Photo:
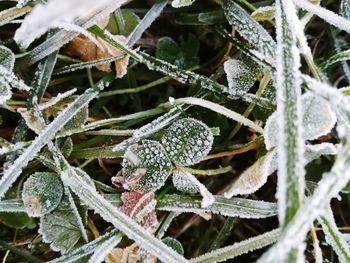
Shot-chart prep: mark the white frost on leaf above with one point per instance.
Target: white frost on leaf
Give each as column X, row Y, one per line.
column 102, row 250
column 45, row 16
column 254, row 177
column 188, row 183
column 187, row 141
column 181, row 3
column 318, row 120
column 240, row 75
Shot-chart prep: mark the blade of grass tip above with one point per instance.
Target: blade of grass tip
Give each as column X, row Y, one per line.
column 239, row 248
column 23, row 254
column 334, row 237
column 13, row 172
column 328, row 187
column 327, row 15
column 102, row 251
column 224, row 233
column 121, row 221
column 221, row 110
column 290, row 147
column 84, row 250
column 145, row 23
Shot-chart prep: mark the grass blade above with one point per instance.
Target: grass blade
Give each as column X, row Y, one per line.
column 145, row 23
column 234, row 207
column 14, row 171
column 240, row 248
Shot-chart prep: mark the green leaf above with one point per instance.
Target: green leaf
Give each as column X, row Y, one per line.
column 60, row 228
column 174, row 244
column 7, row 58
column 146, row 166
column 241, row 74
column 345, row 8
column 183, row 56
column 251, row 30
column 78, row 119
column 42, row 193
column 17, row 220
column 187, row 141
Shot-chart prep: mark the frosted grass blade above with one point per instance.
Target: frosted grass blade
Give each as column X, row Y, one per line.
column 145, row 23
column 85, row 250
column 12, row 205
column 334, row 237
column 290, row 146
column 234, row 207
column 13, row 172
column 102, row 250
column 239, row 248
column 327, row 15
column 328, row 188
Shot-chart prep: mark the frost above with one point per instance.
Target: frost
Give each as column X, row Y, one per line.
column 327, row 15
column 42, row 193
column 45, row 16
column 251, row 30
column 187, row 141
column 240, row 75
column 60, row 228
column 264, row 13
column 84, row 250
column 12, row 172
column 181, row 3
column 334, row 237
column 12, row 206
column 254, row 177
column 221, row 110
column 318, row 120
column 149, row 129
column 145, row 166
column 5, row 92
column 313, row 207
column 7, row 58
column 188, row 183
column 345, row 8
column 140, row 207
column 234, row 207
column 239, row 248
column 318, row 117
column 102, row 250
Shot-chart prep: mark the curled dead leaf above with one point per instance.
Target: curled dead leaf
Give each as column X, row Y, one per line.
column 87, row 50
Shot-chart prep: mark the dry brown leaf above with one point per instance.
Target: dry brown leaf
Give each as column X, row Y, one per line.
column 87, row 50
column 129, row 254
column 134, row 203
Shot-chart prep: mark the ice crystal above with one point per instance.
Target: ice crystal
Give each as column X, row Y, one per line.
column 187, row 141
